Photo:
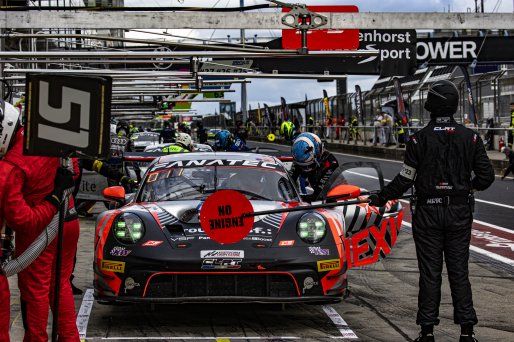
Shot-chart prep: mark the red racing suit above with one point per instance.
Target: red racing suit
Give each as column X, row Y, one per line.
column 15, row 211
column 35, row 282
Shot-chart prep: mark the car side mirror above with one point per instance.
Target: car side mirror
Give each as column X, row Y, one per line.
column 343, row 192
column 115, row 194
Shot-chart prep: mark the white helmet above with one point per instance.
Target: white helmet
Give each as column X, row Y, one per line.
column 184, row 139
column 9, row 123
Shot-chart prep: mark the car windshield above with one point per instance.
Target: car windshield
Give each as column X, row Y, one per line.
column 197, row 183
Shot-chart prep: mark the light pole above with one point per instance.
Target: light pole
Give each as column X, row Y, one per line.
column 244, row 112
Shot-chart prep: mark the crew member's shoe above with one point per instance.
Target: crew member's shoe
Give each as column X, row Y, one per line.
column 468, row 338
column 425, row 338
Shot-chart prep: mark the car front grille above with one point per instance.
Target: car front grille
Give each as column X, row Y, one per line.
column 218, row 285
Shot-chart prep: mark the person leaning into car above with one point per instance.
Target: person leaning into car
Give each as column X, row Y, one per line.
column 439, row 161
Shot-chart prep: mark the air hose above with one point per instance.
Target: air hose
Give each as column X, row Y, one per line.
column 38, row 246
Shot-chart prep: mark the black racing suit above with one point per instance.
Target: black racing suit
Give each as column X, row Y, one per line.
column 167, row 135
column 99, row 167
column 511, row 165
column 319, row 176
column 439, row 160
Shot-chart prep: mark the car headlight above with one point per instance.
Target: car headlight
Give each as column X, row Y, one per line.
column 311, row 228
column 128, row 228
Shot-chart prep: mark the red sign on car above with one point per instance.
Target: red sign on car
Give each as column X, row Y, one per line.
column 333, row 39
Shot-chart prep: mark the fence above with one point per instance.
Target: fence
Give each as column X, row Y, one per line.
column 367, row 135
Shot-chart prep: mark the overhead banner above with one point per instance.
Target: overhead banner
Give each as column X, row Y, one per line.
column 66, row 114
column 464, row 50
column 397, row 50
column 319, row 65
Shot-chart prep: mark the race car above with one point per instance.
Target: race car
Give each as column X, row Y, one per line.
column 196, row 147
column 140, row 141
column 153, row 248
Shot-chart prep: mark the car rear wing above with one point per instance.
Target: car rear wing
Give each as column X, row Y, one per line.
column 142, row 156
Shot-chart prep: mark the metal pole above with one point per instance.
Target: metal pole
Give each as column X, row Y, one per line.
column 244, row 99
column 58, row 262
column 2, row 44
column 482, row 6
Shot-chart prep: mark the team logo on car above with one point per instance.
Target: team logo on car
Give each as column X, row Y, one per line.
column 152, row 243
column 112, row 266
column 222, row 254
column 221, row 264
column 120, row 251
column 329, row 265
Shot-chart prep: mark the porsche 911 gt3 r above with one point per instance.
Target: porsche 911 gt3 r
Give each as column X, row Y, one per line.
column 154, row 249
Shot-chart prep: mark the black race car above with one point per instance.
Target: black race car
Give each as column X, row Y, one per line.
column 153, row 249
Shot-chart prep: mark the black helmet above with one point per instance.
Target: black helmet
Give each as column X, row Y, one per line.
column 443, row 98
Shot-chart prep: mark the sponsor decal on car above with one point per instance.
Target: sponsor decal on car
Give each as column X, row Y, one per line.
column 120, row 251
column 221, row 264
column 222, row 254
column 152, row 243
column 112, row 266
column 130, row 284
column 308, row 284
column 256, row 234
column 217, row 162
column 329, row 265
column 286, row 243
column 319, row 251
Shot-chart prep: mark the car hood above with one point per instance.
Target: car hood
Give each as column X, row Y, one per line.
column 184, row 214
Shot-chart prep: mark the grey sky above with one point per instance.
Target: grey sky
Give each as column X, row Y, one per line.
column 270, row 91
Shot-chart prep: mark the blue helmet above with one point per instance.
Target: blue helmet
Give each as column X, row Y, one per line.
column 307, row 149
column 222, row 139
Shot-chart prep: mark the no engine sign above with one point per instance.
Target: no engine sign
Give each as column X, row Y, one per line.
column 221, row 216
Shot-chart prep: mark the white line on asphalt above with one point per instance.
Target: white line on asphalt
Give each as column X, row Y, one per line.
column 476, row 199
column 372, row 158
column 340, row 323
column 490, row 225
column 195, row 338
column 493, row 255
column 84, row 312
column 481, row 251
column 497, row 204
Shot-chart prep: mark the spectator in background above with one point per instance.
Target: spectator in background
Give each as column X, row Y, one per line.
column 511, row 135
column 241, row 131
column 310, row 124
column 379, row 123
column 388, row 124
column 167, row 135
column 400, row 131
column 201, row 133
column 510, row 167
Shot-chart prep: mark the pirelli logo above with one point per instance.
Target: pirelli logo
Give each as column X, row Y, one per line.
column 329, row 265
column 113, row 266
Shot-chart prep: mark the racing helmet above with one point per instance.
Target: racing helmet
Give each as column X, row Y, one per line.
column 222, row 139
column 442, row 99
column 9, row 123
column 306, row 150
column 184, row 139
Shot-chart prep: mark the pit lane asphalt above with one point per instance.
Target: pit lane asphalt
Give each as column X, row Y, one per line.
column 382, row 305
